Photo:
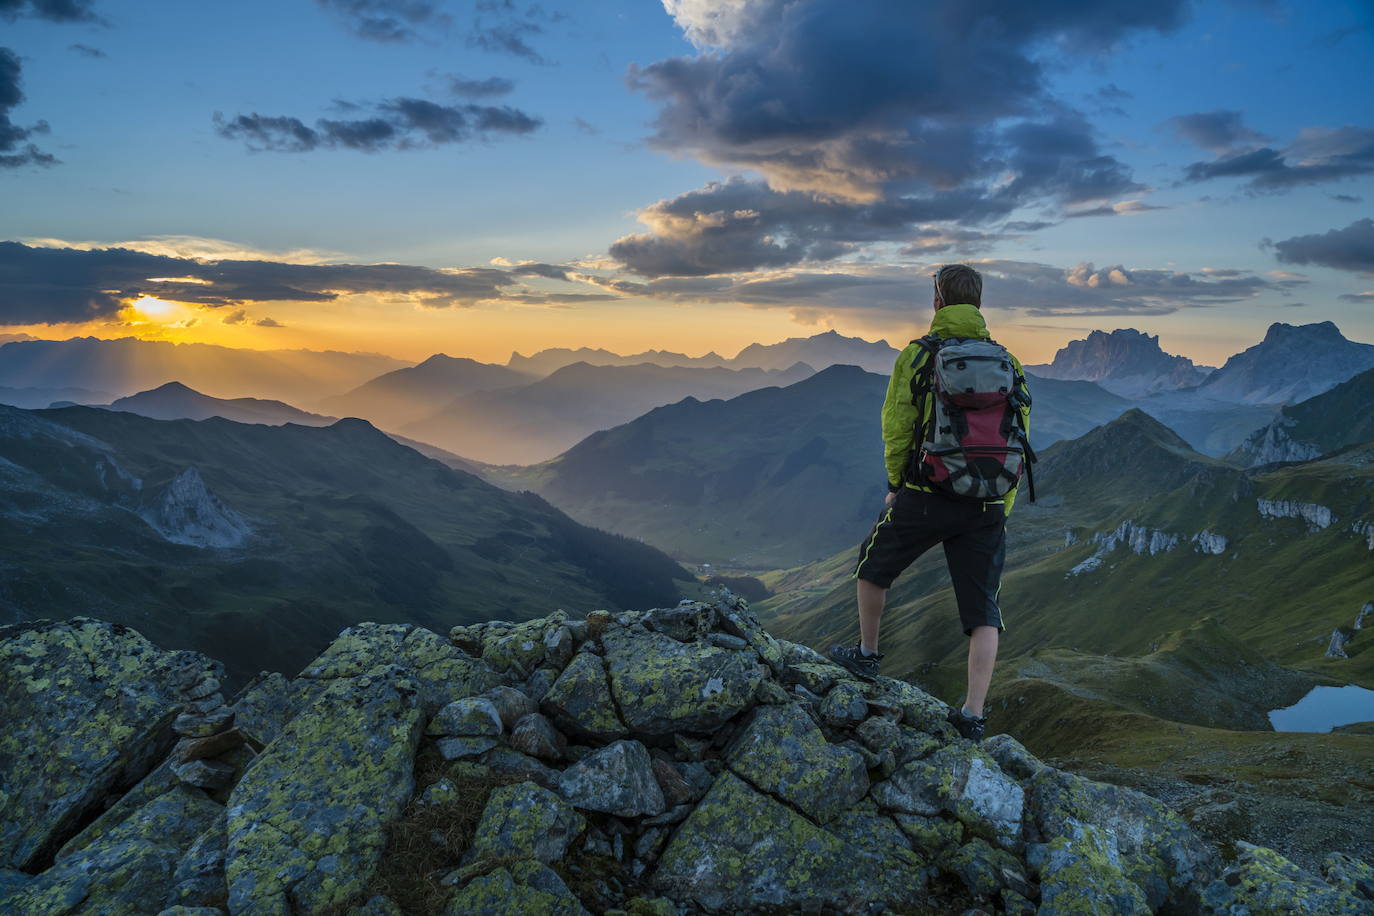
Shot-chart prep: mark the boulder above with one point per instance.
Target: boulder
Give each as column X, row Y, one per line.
column 535, row 735
column 741, row 850
column 525, row 819
column 580, row 703
column 1263, row 883
column 523, row 887
column 1083, row 875
column 617, row 779
column 663, row 686
column 961, row 781
column 88, row 709
column 441, row 672
column 131, row 868
column 306, row 822
column 782, row 752
column 844, row 706
column 1159, row 851
column 467, row 717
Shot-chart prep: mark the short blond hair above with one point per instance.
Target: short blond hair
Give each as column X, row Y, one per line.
column 959, row 284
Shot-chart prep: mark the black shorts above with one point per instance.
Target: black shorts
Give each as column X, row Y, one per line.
column 975, row 539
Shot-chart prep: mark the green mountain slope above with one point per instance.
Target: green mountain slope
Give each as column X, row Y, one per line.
column 260, row 541
column 774, row 477
column 1330, row 421
column 1137, row 537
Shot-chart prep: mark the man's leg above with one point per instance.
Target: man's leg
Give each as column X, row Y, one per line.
column 982, row 656
column 871, row 600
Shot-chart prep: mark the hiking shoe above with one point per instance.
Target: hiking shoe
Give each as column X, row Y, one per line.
column 853, row 659
column 971, row 727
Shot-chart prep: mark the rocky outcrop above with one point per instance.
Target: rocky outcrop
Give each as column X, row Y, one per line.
column 186, row 512
column 1316, row 516
column 1274, row 443
column 1143, row 540
column 670, row 762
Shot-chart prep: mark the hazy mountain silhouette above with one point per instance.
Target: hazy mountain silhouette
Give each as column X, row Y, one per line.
column 406, row 395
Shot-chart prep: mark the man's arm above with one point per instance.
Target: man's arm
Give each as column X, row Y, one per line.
column 899, row 415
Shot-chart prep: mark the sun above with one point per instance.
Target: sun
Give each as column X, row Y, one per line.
column 152, row 306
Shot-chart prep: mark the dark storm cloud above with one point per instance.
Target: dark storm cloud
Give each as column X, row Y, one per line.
column 1217, row 132
column 888, row 107
column 1351, row 248
column 16, row 146
column 388, row 20
column 1319, row 154
column 51, row 285
column 52, row 10
column 403, row 123
column 487, row 88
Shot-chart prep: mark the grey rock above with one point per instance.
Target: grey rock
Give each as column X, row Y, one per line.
column 1084, row 874
column 617, row 779
column 198, row 880
column 207, row 774
column 783, row 753
column 263, row 707
column 686, row 622
column 88, row 707
column 536, row 736
column 307, row 821
column 129, row 868
column 580, row 703
column 202, row 725
column 463, row 746
column 726, row 641
column 511, row 704
column 509, row 762
column 1263, row 883
column 663, row 686
column 469, row 717
column 525, row 819
column 523, row 887
column 844, row 706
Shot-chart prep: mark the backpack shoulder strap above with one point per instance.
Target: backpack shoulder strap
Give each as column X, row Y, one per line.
column 920, row 379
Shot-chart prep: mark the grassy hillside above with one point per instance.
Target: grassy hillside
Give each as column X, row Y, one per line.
column 345, row 523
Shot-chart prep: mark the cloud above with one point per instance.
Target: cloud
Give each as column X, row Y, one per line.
column 1031, row 288
column 388, row 20
column 194, row 247
column 1116, row 209
column 932, row 240
column 54, row 285
column 479, row 89
column 16, row 148
column 87, row 51
column 51, row 10
column 399, row 124
column 1218, row 132
column 851, row 111
column 1317, row 154
column 585, row 126
column 269, row 323
column 1351, row 248
column 1347, row 198
column 1367, row 296
column 503, row 28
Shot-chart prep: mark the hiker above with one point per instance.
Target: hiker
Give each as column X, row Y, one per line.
column 955, row 423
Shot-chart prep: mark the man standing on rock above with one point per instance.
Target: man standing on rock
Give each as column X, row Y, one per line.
column 955, row 426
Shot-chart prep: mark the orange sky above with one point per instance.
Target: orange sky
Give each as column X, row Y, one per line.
column 490, row 332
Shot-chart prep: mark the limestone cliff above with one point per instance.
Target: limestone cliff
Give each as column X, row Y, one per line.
column 672, row 761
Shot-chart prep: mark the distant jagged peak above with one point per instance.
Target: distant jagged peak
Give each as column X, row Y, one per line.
column 1318, row 331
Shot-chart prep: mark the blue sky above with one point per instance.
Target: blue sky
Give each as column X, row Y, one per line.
column 799, row 164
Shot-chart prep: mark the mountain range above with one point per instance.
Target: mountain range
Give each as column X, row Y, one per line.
column 126, row 365
column 262, row 541
column 535, row 422
column 820, row 351
column 412, row 393
column 1318, row 426
column 1292, row 363
column 1125, row 362
column 175, row 401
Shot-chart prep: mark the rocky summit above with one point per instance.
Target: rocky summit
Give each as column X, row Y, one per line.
column 671, row 761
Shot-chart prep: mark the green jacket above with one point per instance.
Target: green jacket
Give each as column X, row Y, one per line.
column 900, row 415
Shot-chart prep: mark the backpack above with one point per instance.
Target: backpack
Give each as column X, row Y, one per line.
column 974, row 445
